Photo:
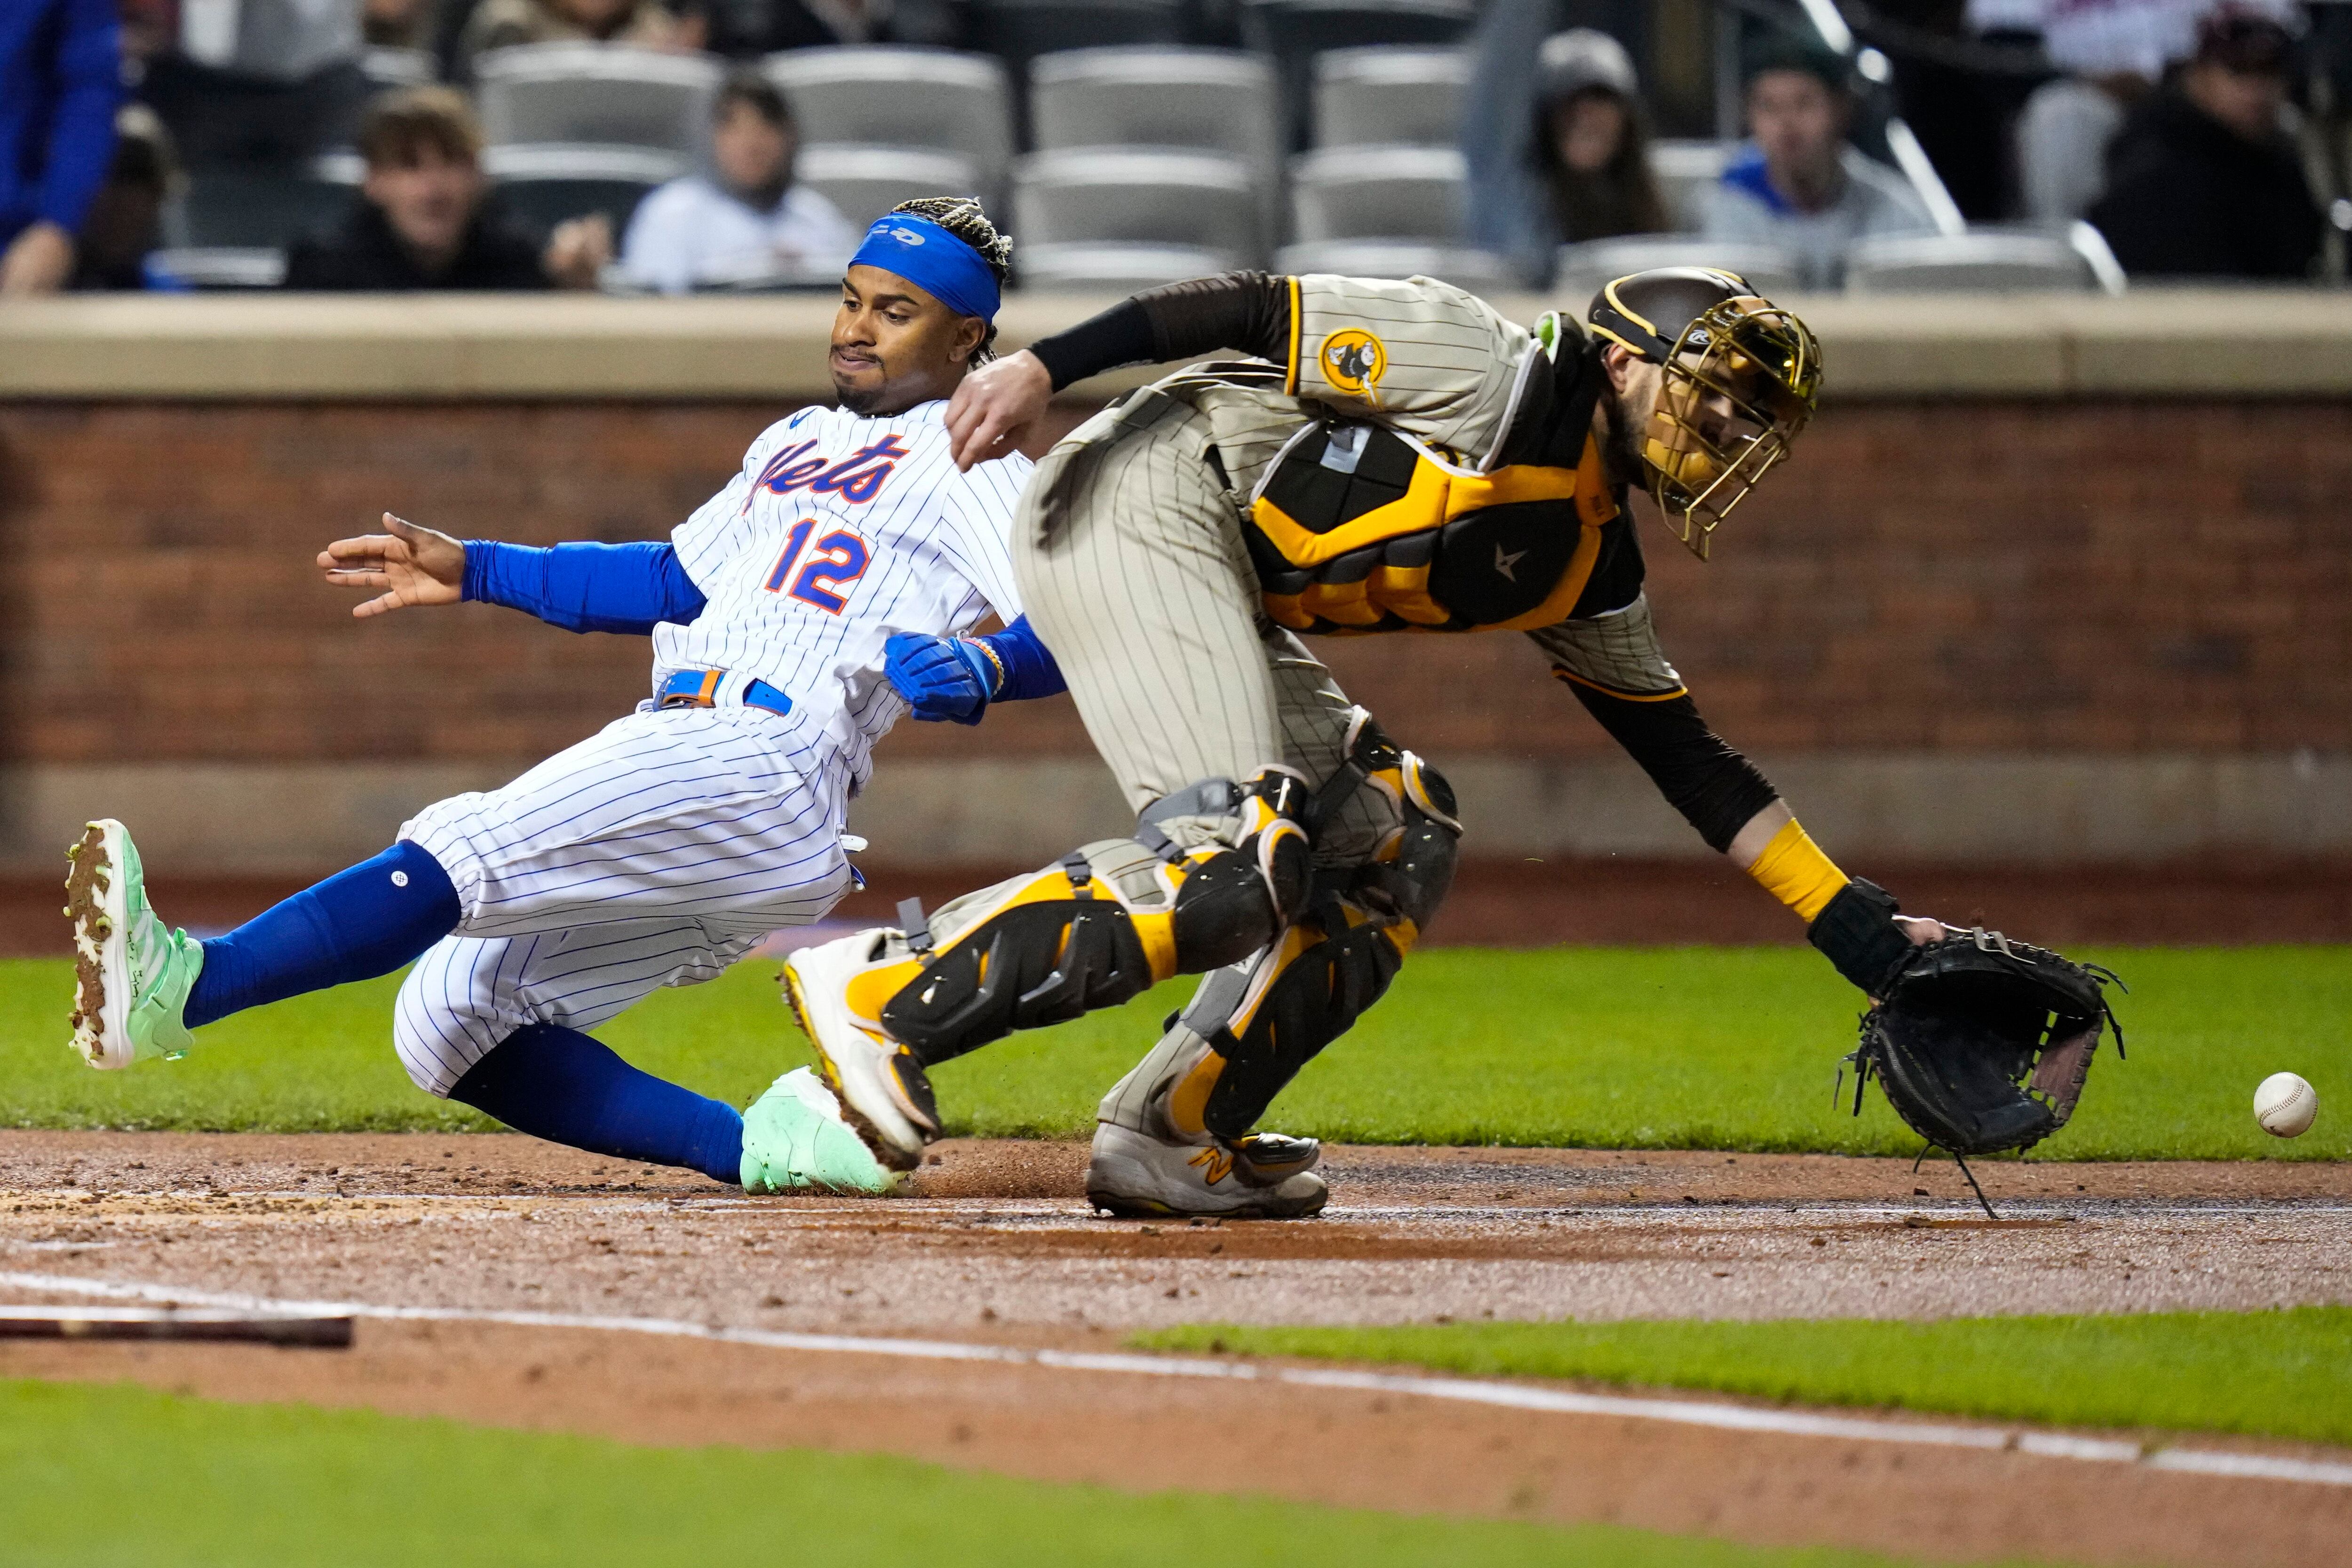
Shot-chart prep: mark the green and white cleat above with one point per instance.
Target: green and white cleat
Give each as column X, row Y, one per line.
column 795, row 1141
column 132, row 973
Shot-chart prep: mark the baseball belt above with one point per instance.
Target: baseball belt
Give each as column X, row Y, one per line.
column 700, row 688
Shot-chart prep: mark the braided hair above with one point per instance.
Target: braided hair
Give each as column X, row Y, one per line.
column 965, row 218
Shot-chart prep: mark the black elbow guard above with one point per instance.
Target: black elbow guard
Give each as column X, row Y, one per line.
column 1856, row 933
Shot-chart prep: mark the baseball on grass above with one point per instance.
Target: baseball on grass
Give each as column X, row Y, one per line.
column 2284, row 1105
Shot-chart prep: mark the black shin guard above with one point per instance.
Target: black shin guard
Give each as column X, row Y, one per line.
column 1339, row 959
column 1035, row 964
column 1109, row 921
column 1316, row 997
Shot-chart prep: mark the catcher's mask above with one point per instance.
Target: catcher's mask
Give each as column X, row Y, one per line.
column 1739, row 379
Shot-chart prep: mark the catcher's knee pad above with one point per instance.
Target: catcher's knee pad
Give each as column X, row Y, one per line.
column 1244, row 885
column 1412, row 868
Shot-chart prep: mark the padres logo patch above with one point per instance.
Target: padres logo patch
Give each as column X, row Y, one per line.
column 1354, row 361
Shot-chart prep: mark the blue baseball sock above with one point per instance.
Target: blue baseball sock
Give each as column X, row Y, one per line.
column 358, row 924
column 562, row 1086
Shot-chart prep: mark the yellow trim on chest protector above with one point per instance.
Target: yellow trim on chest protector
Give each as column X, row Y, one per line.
column 1793, row 869
column 1435, row 496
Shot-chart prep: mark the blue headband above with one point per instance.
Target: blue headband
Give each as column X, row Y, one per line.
column 932, row 259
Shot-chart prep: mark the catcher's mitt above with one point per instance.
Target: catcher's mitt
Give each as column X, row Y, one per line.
column 1983, row 1043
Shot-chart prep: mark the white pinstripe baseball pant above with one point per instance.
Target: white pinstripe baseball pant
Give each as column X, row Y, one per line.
column 656, row 852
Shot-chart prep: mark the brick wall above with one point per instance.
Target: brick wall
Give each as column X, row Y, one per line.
column 2120, row 578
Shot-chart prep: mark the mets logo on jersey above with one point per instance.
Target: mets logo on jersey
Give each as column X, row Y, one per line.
column 855, row 478
column 1354, row 361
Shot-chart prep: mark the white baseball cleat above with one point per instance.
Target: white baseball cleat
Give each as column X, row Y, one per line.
column 835, row 989
column 1262, row 1176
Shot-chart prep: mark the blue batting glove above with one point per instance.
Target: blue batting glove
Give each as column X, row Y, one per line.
column 940, row 677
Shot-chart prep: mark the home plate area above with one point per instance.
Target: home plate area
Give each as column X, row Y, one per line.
column 983, row 1321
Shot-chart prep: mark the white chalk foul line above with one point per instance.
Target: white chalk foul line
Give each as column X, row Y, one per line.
column 1466, row 1390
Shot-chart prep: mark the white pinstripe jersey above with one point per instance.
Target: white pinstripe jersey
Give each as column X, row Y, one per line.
column 839, row 531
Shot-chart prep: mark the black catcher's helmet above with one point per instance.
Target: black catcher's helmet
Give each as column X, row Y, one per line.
column 1740, row 377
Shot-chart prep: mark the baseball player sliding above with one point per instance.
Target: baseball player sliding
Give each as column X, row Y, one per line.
column 1394, row 457
column 794, row 617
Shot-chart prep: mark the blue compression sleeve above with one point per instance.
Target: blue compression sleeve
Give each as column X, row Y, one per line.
column 562, row 1086
column 625, row 588
column 1029, row 669
column 358, row 924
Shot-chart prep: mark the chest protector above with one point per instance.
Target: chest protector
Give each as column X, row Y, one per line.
column 1356, row 529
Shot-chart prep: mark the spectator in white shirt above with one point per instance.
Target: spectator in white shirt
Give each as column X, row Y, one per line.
column 751, row 221
column 1800, row 185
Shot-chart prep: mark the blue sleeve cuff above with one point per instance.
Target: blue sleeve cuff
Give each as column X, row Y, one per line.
column 1029, row 669
column 627, row 589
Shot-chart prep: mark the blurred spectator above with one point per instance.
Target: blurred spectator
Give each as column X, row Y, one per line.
column 1591, row 143
column 2113, row 52
column 125, row 222
column 260, row 82
column 1799, row 184
column 1556, row 139
column 496, row 24
column 59, row 86
column 2203, row 180
column 399, row 23
column 752, row 221
column 428, row 219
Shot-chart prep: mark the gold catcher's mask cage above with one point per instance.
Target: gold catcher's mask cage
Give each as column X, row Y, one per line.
column 1741, row 382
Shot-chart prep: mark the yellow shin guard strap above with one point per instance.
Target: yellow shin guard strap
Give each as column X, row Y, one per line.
column 1793, row 869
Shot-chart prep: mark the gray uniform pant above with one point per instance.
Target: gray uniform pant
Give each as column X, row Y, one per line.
column 1128, row 551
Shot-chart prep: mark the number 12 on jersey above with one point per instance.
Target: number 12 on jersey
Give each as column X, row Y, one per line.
column 839, row 559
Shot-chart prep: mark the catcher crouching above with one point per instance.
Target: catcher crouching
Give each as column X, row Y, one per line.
column 1390, row 458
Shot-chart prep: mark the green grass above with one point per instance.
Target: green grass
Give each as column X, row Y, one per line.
column 1728, row 1047
column 117, row 1475
column 2268, row 1374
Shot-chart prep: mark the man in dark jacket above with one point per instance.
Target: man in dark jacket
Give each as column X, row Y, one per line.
column 58, row 87
column 427, row 220
column 2202, row 182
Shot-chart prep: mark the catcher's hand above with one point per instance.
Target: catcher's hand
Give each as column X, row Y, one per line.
column 1981, row 1043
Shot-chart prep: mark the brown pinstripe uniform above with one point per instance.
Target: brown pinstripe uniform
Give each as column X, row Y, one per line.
column 1172, row 548
column 1396, row 458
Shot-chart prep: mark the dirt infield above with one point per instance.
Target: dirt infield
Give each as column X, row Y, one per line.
column 995, row 1248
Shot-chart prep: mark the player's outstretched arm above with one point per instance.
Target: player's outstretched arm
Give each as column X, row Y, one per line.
column 404, row 565
column 999, row 403
column 1647, row 710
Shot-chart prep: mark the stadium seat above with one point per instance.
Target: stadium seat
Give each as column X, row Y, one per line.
column 1197, row 199
column 1296, row 31
column 240, row 208
column 545, row 184
column 867, row 182
column 1993, row 261
column 387, row 68
column 1377, row 193
column 1583, row 268
column 1481, row 272
column 1389, row 94
column 1116, row 269
column 1218, row 100
column 1017, row 31
column 893, row 97
column 218, row 269
column 595, row 92
column 1685, row 171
